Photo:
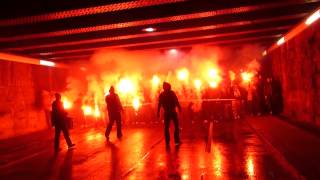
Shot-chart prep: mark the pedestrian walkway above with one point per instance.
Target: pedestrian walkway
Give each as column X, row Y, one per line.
column 299, row 147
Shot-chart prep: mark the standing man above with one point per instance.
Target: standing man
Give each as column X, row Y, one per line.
column 168, row 101
column 114, row 108
column 59, row 121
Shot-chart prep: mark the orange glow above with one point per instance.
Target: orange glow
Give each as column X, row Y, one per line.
column 161, row 164
column 94, row 136
column 246, row 77
column 264, row 53
column 83, row 69
column 137, row 148
column 213, row 73
column 87, row 110
column 136, row 103
column 213, row 84
column 125, row 86
column 183, row 74
column 173, row 52
column 155, row 81
column 66, row 103
column 138, row 81
column 232, row 75
column 129, row 91
column 89, row 137
column 250, row 166
column 197, row 84
column 185, row 176
column 213, row 77
column 97, row 112
column 217, row 162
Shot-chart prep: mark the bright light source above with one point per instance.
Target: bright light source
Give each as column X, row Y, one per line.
column 264, row 53
column 155, row 80
column 197, row 84
column 83, row 69
column 280, row 41
column 47, row 63
column 125, row 86
column 183, row 74
column 136, row 103
column 66, row 103
column 213, row 84
column 313, row 18
column 213, row 73
column 87, row 110
column 106, row 93
column 149, row 29
column 96, row 111
column 246, row 77
column 173, row 51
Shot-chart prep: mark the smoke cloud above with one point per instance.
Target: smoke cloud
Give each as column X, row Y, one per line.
column 107, row 67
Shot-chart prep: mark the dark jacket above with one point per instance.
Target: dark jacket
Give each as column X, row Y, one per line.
column 58, row 114
column 113, row 103
column 169, row 101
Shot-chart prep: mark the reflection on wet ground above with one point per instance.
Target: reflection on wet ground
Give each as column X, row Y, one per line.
column 235, row 153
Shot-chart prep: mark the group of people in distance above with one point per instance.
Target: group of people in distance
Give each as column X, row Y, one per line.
column 168, row 101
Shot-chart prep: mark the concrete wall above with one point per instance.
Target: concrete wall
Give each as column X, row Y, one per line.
column 297, row 65
column 25, row 92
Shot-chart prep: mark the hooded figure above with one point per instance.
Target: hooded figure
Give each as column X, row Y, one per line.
column 114, row 108
column 169, row 101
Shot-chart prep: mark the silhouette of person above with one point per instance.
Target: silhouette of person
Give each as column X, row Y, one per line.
column 114, row 108
column 59, row 121
column 168, row 101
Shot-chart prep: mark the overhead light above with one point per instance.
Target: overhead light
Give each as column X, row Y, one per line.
column 173, row 51
column 149, row 29
column 264, row 53
column 47, row 63
column 313, row 17
column 280, row 41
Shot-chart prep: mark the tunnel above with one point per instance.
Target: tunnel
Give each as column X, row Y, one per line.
column 160, row 89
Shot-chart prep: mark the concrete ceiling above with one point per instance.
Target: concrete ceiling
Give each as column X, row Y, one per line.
column 71, row 30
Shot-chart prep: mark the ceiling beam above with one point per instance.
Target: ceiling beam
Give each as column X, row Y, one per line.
column 145, row 22
column 88, row 53
column 211, row 37
column 84, row 12
column 195, row 37
column 143, row 35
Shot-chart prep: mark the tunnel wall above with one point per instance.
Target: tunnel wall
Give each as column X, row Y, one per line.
column 296, row 64
column 25, row 95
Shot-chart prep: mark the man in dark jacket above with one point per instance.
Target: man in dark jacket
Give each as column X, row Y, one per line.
column 114, row 108
column 59, row 121
column 169, row 101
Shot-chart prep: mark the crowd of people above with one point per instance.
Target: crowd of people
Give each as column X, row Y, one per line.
column 230, row 101
column 235, row 100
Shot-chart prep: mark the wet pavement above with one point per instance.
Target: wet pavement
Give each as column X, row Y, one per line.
column 299, row 147
column 236, row 152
